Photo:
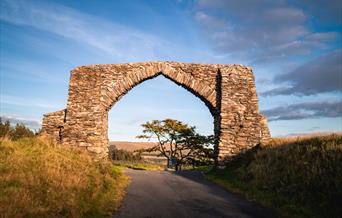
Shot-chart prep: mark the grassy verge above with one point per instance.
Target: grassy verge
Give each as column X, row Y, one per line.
column 139, row 165
column 204, row 168
column 297, row 177
column 38, row 179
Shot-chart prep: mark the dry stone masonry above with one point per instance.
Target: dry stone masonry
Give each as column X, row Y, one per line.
column 227, row 90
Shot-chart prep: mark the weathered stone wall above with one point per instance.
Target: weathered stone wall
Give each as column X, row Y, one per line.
column 227, row 90
column 53, row 124
column 242, row 127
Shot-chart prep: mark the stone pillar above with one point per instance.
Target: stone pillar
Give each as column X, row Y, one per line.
column 53, row 124
column 241, row 125
column 86, row 116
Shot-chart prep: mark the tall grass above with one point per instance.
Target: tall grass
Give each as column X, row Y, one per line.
column 39, row 179
column 300, row 177
column 139, row 165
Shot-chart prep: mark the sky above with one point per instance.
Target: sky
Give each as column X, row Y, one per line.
column 294, row 48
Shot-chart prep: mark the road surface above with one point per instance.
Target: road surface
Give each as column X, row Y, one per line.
column 163, row 194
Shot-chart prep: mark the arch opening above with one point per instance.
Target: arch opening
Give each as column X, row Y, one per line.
column 209, row 105
column 157, row 98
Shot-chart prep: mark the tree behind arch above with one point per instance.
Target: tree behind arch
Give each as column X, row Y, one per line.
column 179, row 141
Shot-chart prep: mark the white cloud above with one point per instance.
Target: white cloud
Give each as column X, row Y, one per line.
column 30, row 122
column 325, row 36
column 210, row 21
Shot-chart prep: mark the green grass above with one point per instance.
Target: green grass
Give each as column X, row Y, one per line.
column 139, row 165
column 203, row 168
column 39, row 179
column 297, row 177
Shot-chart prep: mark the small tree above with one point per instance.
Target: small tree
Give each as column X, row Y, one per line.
column 5, row 128
column 179, row 141
column 21, row 131
column 17, row 132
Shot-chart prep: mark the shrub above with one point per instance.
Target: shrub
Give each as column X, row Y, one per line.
column 123, row 155
column 5, row 129
column 15, row 133
column 21, row 131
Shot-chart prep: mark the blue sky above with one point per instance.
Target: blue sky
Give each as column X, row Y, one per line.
column 294, row 48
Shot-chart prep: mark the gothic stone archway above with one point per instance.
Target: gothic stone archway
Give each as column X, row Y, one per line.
column 227, row 90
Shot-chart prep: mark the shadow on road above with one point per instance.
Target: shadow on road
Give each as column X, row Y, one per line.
column 188, row 194
column 243, row 204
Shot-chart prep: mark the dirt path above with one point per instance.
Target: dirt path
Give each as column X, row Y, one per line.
column 159, row 194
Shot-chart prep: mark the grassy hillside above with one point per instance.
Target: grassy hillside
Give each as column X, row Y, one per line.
column 300, row 177
column 38, row 179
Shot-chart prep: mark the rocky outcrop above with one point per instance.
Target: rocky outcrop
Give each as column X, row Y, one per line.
column 227, row 90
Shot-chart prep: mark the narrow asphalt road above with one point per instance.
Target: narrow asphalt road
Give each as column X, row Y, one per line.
column 159, row 194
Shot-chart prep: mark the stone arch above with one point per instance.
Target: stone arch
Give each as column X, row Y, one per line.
column 227, row 90
column 206, row 93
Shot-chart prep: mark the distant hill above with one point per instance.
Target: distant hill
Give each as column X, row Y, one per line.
column 132, row 146
column 309, row 135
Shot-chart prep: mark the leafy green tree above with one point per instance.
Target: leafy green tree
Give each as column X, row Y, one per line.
column 179, row 141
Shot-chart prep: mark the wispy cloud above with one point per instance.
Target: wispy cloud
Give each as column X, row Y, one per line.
column 113, row 39
column 28, row 102
column 26, row 70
